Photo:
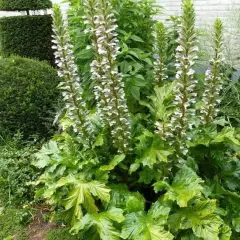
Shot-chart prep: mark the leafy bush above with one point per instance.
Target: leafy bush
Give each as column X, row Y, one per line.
column 28, row 95
column 27, row 36
column 22, row 5
column 136, row 34
column 16, row 171
column 170, row 173
column 136, row 23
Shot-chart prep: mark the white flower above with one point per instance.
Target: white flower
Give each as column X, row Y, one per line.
column 180, row 48
column 190, row 72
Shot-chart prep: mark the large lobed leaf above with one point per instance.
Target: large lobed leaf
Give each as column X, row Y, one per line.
column 139, row 226
column 201, row 218
column 102, row 223
column 82, row 193
column 186, row 185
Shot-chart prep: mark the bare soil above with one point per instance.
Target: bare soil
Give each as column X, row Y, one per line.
column 38, row 229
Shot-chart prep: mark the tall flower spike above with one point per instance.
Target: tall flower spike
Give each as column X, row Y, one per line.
column 160, row 50
column 214, row 79
column 67, row 70
column 109, row 82
column 92, row 23
column 186, row 55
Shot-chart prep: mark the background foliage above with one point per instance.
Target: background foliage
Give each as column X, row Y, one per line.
column 231, row 96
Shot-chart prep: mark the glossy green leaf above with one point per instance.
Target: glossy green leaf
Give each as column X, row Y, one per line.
column 199, row 217
column 135, row 204
column 186, row 185
column 139, row 226
column 136, row 38
column 116, row 160
column 44, row 155
column 236, row 224
column 99, row 141
column 82, row 194
column 102, row 223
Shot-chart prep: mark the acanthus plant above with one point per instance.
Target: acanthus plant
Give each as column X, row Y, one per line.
column 180, row 180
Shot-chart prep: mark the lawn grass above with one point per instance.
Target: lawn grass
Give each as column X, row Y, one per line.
column 10, row 228
column 62, row 234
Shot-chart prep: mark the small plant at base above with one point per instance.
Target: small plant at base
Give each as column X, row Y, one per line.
column 10, row 226
column 16, row 172
column 61, row 233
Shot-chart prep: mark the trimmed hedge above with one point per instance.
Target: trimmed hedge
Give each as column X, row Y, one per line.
column 27, row 36
column 24, row 5
column 29, row 95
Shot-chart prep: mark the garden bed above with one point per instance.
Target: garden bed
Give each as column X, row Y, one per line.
column 140, row 144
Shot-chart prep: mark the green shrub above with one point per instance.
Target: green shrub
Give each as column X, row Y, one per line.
column 27, row 36
column 16, row 171
column 21, row 5
column 28, row 95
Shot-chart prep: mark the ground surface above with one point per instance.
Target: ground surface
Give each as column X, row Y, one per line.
column 11, row 229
